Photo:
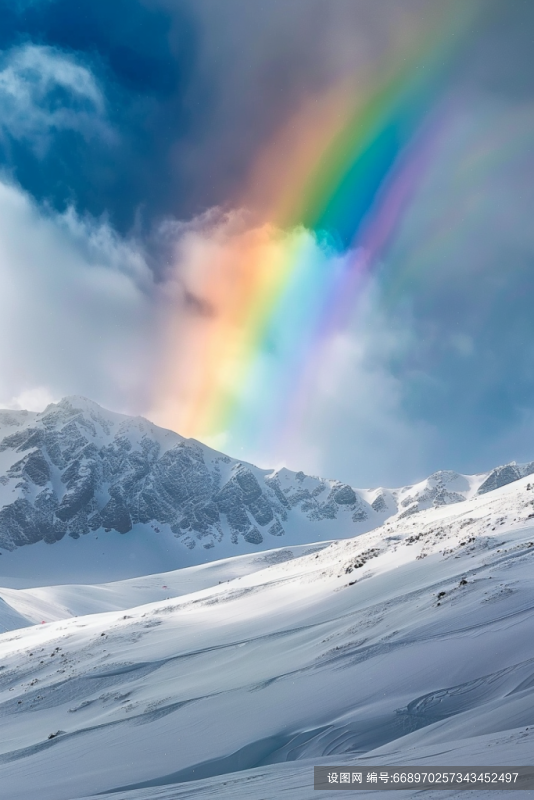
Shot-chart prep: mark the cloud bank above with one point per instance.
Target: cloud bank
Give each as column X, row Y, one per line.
column 82, row 315
column 76, row 315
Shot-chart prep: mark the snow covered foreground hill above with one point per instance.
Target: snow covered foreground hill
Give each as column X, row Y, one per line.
column 410, row 644
column 101, row 496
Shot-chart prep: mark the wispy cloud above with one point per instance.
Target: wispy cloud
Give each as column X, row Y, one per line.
column 44, row 91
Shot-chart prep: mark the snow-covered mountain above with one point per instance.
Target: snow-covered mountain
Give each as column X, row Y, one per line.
column 412, row 644
column 78, row 472
column 446, row 487
column 118, row 496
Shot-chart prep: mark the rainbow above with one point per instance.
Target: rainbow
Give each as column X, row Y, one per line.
column 275, row 293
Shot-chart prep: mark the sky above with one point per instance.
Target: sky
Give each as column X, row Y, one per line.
column 299, row 232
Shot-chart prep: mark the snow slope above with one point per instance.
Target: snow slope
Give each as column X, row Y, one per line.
column 412, row 643
column 24, row 607
column 294, row 780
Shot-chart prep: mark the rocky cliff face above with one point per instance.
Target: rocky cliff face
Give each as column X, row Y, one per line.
column 76, row 468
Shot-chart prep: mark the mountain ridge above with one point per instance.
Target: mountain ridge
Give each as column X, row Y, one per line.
column 77, row 470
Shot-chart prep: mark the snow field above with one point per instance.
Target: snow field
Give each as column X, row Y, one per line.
column 398, row 645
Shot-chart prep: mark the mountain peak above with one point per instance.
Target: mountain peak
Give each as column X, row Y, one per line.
column 77, row 470
column 77, row 401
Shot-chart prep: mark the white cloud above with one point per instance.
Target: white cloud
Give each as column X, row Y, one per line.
column 35, row 399
column 76, row 309
column 42, row 91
